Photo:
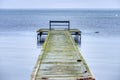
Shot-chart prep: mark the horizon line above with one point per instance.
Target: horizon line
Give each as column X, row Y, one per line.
column 59, row 8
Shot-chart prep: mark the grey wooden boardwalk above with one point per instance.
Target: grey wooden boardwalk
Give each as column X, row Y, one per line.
column 60, row 59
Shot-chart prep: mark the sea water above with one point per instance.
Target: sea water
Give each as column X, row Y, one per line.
column 18, row 44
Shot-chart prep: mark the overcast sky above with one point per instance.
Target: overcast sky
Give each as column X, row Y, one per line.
column 40, row 4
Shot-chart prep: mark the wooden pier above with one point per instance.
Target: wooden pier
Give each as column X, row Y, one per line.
column 60, row 58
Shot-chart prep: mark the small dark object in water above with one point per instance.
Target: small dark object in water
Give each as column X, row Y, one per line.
column 97, row 32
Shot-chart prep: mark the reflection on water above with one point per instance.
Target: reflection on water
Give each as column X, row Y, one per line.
column 40, row 41
column 77, row 39
column 18, row 55
column 102, row 55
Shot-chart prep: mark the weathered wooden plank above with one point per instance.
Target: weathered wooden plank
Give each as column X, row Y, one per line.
column 61, row 59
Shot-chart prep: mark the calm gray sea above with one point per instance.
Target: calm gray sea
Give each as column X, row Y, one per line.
column 18, row 44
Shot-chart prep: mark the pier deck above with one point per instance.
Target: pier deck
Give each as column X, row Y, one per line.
column 60, row 59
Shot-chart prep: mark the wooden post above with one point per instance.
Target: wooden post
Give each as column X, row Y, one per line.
column 40, row 36
column 50, row 25
column 68, row 25
column 80, row 38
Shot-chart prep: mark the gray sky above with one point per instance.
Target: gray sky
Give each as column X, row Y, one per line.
column 39, row 4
